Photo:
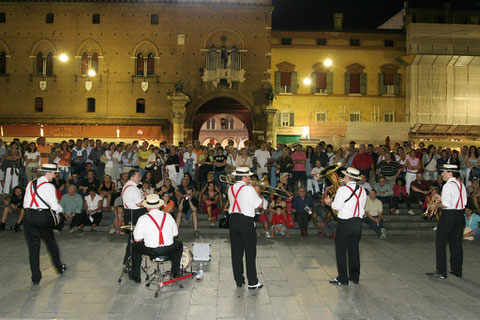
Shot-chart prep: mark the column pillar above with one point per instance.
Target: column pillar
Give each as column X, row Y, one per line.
column 269, row 129
column 178, row 113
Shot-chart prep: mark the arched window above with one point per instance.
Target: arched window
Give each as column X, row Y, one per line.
column 212, row 59
column 140, row 65
column 140, row 105
column 234, row 59
column 49, row 63
column 3, row 63
column 90, row 104
column 39, row 64
column 84, row 64
column 94, row 65
column 39, row 104
column 150, row 64
column 232, row 124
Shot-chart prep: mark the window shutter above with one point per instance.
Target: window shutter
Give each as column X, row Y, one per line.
column 397, row 82
column 330, row 83
column 292, row 118
column 363, row 83
column 294, row 82
column 381, row 84
column 278, row 75
column 279, row 120
column 347, row 82
column 313, row 85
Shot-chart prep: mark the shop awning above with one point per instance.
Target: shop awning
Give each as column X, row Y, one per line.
column 423, row 129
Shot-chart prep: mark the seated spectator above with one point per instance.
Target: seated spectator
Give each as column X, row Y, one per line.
column 59, row 184
column 384, row 193
column 210, row 178
column 278, row 222
column 147, row 188
column 187, row 206
column 429, row 199
column 389, row 169
column 210, row 200
column 106, row 192
column 438, row 183
column 72, row 204
column 373, row 214
column 120, row 184
column 162, row 182
column 74, row 180
column 472, row 220
column 419, row 189
column 473, row 194
column 302, row 207
column 14, row 204
column 169, row 205
column 325, row 229
column 93, row 209
column 315, row 184
column 90, row 181
column 116, row 218
column 147, row 176
column 400, row 195
column 364, row 183
column 363, row 161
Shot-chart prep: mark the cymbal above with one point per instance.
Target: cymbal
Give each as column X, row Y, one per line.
column 128, row 227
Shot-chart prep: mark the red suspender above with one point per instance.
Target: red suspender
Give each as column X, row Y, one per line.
column 235, row 202
column 161, row 243
column 460, row 199
column 357, row 206
column 122, row 195
column 32, row 192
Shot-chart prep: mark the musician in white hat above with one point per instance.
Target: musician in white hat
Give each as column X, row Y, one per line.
column 40, row 198
column 243, row 200
column 154, row 236
column 451, row 224
column 350, row 202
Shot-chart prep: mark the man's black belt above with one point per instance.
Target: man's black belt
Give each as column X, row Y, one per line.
column 39, row 210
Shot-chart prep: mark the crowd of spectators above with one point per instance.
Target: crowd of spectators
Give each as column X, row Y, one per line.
column 92, row 174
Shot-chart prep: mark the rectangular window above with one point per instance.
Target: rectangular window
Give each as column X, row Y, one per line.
column 96, row 18
column 49, row 18
column 354, row 42
column 223, row 123
column 3, row 17
column 212, row 124
column 388, row 43
column 140, row 105
column 286, row 41
column 321, row 82
column 154, row 19
column 321, row 42
column 91, row 105
column 285, row 119
column 388, row 79
column 231, row 124
column 286, row 82
column 38, row 104
column 354, row 82
column 355, row 116
column 389, row 117
column 321, row 116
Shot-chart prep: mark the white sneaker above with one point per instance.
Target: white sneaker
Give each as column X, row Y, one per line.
column 111, row 231
column 397, row 211
column 73, row 229
column 435, row 229
column 267, row 235
column 56, row 231
column 411, row 212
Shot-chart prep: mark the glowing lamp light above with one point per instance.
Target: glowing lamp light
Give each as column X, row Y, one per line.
column 92, row 73
column 306, row 132
column 327, row 63
column 118, row 133
column 307, row 81
column 63, row 57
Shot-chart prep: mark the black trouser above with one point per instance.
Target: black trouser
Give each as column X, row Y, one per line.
column 74, row 222
column 302, row 221
column 243, row 238
column 450, row 228
column 39, row 225
column 173, row 252
column 130, row 215
column 399, row 198
column 85, row 220
column 347, row 238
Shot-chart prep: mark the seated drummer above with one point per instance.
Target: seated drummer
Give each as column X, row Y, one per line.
column 153, row 236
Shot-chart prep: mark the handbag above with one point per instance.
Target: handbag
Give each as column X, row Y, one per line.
column 55, row 216
column 224, row 223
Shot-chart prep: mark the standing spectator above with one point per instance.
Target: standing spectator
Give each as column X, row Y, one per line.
column 413, row 166
column 308, row 163
column 143, row 156
column 384, row 193
column 231, row 160
column 363, row 161
column 445, row 159
column 339, row 156
column 118, row 155
column 111, row 167
column 330, row 155
column 298, row 171
column 220, row 161
column 64, row 164
column 72, row 204
column 472, row 221
column 302, row 207
column 173, row 164
column 129, row 159
column 243, row 159
column 89, row 181
column 373, row 215
column 429, row 161
column 389, row 169
column 44, row 150
column 12, row 163
column 95, row 156
column 319, row 155
column 261, row 157
column 350, row 154
column 3, row 152
column 275, row 155
column 190, row 159
column 79, row 157
column 155, row 164
column 462, row 158
column 32, row 158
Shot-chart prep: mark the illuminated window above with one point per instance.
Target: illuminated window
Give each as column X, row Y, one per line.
column 89, row 63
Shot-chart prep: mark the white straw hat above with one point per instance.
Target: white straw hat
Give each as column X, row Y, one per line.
column 153, row 201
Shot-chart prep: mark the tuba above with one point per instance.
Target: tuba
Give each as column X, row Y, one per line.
column 331, row 173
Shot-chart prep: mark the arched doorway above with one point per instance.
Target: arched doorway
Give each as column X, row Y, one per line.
column 217, row 106
column 223, row 128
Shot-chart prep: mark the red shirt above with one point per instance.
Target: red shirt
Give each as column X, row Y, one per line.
column 397, row 189
column 362, row 161
column 278, row 219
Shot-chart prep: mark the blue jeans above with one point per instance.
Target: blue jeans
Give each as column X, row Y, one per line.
column 273, row 177
column 376, row 227
column 65, row 172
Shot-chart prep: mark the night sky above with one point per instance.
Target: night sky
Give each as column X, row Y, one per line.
column 317, row 15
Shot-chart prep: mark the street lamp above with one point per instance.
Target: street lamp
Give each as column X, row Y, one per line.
column 63, row 57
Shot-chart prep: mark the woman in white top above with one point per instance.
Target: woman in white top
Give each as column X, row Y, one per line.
column 190, row 160
column 231, row 160
column 413, row 166
column 32, row 157
column 244, row 160
column 93, row 209
column 111, row 166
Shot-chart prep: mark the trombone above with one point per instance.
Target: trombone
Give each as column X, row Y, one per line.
column 264, row 187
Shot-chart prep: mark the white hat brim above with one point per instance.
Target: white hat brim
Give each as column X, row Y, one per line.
column 353, row 177
column 153, row 206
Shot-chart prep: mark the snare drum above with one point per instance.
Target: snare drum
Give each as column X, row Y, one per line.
column 187, row 258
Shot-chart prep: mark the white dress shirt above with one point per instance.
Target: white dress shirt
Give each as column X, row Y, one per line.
column 131, row 195
column 92, row 204
column 147, row 231
column 247, row 199
column 451, row 195
column 46, row 191
column 346, row 210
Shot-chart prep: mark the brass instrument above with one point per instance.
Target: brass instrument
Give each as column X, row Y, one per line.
column 430, row 212
column 264, row 186
column 331, row 173
column 229, row 179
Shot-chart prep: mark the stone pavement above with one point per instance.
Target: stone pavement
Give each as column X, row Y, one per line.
column 295, row 272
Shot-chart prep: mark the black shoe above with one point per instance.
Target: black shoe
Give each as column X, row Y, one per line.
column 64, row 267
column 135, row 279
column 354, row 281
column 35, row 283
column 16, row 228
column 255, row 286
column 2, row 226
column 436, row 275
column 240, row 284
column 458, row 275
column 335, row 282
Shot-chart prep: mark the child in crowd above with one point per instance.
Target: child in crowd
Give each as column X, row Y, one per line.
column 314, row 184
column 118, row 222
column 278, row 223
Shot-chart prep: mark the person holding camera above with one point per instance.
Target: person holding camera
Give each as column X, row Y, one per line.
column 188, row 206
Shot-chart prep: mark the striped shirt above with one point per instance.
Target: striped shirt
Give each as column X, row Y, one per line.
column 388, row 169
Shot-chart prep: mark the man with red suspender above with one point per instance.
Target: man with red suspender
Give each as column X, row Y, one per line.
column 451, row 224
column 243, row 200
column 154, row 236
column 350, row 202
column 40, row 197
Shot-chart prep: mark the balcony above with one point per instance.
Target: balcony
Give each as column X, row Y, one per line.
column 228, row 75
